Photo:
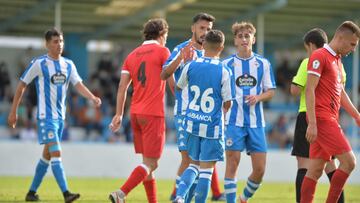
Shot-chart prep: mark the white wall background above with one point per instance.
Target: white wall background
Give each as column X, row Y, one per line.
column 118, row 160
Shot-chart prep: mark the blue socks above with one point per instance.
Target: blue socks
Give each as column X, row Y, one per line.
column 230, row 190
column 191, row 192
column 58, row 171
column 187, row 179
column 40, row 172
column 203, row 187
column 250, row 189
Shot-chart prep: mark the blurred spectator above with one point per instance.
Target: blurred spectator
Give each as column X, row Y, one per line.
column 5, row 85
column 280, row 134
column 283, row 79
column 28, row 132
column 90, row 118
column 25, row 59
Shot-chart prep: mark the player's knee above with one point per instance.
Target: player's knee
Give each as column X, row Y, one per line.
column 350, row 165
column 152, row 165
column 233, row 159
column 259, row 171
column 315, row 173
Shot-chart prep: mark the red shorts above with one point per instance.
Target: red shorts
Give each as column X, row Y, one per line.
column 330, row 140
column 149, row 134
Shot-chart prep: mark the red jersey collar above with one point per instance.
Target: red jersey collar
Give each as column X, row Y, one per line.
column 329, row 49
column 150, row 42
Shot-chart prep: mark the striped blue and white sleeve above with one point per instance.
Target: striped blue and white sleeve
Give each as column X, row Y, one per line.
column 226, row 85
column 32, row 71
column 74, row 75
column 269, row 79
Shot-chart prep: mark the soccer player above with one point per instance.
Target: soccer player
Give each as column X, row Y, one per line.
column 313, row 39
column 184, row 52
column 52, row 74
column 324, row 95
column 142, row 67
column 245, row 123
column 209, row 98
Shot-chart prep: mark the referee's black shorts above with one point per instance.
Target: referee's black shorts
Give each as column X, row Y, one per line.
column 300, row 146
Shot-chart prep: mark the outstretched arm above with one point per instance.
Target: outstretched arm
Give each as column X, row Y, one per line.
column 85, row 92
column 186, row 54
column 12, row 118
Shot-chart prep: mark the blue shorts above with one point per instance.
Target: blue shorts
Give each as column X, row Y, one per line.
column 50, row 131
column 240, row 138
column 181, row 134
column 204, row 149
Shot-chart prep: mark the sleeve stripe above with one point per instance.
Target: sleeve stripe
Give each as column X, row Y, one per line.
column 125, row 72
column 314, row 73
column 297, row 84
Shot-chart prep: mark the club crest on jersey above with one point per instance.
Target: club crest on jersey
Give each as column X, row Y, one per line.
column 246, row 81
column 50, row 134
column 229, row 142
column 316, row 64
column 58, row 79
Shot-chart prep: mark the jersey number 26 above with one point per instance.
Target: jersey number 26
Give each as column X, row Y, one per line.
column 207, row 103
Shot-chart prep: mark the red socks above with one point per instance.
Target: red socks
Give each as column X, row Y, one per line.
column 137, row 176
column 336, row 186
column 308, row 190
column 215, row 188
column 150, row 188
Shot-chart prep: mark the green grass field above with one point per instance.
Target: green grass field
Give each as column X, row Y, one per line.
column 13, row 189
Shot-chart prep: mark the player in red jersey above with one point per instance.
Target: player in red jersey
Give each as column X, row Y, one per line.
column 324, row 96
column 142, row 67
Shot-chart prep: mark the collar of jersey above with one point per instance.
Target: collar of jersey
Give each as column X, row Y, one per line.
column 329, row 49
column 49, row 57
column 252, row 55
column 151, row 42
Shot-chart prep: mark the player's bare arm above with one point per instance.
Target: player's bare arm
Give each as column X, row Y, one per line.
column 171, row 83
column 186, row 54
column 12, row 118
column 295, row 90
column 349, row 107
column 85, row 92
column 311, row 83
column 265, row 96
column 120, row 102
column 226, row 106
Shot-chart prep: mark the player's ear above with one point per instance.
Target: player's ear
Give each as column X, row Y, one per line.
column 254, row 40
column 193, row 28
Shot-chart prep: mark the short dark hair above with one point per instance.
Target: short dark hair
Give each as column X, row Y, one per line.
column 51, row 33
column 316, row 36
column 349, row 26
column 215, row 37
column 154, row 28
column 203, row 16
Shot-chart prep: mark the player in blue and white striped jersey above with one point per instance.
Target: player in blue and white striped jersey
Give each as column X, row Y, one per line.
column 52, row 74
column 182, row 53
column 209, row 90
column 245, row 123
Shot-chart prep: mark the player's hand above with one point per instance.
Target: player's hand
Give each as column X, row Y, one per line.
column 251, row 99
column 311, row 133
column 97, row 101
column 187, row 53
column 115, row 123
column 12, row 119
